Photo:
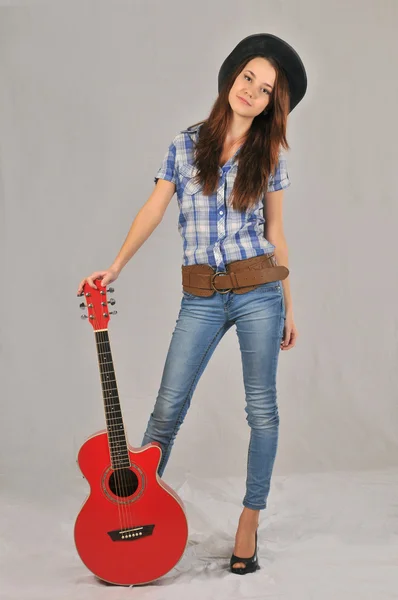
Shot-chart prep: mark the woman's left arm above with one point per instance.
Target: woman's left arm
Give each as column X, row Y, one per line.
column 274, row 233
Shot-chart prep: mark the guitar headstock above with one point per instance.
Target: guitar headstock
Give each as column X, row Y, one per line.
column 96, row 303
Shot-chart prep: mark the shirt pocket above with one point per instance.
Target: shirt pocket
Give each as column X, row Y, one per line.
column 188, row 173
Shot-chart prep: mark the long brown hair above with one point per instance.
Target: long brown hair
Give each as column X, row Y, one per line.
column 258, row 156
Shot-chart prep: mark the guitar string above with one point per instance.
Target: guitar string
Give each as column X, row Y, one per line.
column 113, row 431
column 109, row 419
column 120, row 474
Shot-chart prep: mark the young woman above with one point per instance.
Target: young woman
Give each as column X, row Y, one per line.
column 225, row 171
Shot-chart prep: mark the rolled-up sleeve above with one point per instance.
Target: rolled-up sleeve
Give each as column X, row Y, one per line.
column 168, row 168
column 280, row 180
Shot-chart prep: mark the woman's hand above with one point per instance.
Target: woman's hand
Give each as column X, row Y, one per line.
column 290, row 333
column 107, row 276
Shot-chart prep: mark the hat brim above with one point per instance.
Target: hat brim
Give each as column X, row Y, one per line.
column 268, row 45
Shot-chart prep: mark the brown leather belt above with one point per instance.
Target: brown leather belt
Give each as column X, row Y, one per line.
column 240, row 277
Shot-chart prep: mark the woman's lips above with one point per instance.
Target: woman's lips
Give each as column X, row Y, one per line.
column 247, row 104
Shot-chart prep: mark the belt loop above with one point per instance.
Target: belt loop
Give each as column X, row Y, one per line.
column 234, row 281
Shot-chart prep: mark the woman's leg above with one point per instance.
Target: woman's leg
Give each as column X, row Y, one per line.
column 200, row 326
column 259, row 317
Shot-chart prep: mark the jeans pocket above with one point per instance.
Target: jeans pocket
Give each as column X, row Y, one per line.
column 270, row 286
column 188, row 296
column 275, row 287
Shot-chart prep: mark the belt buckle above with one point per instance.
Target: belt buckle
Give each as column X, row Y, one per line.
column 212, row 282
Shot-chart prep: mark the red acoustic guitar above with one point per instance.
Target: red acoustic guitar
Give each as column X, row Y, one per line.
column 132, row 528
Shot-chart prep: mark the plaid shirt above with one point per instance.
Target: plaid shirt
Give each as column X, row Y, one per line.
column 212, row 232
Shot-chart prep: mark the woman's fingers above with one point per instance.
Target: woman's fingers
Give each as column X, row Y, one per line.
column 106, row 276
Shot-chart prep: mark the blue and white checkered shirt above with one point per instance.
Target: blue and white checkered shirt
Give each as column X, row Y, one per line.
column 212, row 232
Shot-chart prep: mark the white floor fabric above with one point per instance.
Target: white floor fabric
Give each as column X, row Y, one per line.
column 322, row 537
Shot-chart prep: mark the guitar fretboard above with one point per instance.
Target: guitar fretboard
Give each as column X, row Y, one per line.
column 113, row 414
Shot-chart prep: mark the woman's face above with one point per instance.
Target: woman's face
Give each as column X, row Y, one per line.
column 254, row 84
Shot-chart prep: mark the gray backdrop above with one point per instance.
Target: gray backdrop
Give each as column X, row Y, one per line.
column 91, row 94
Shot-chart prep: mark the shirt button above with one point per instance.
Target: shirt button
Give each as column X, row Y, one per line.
column 221, row 212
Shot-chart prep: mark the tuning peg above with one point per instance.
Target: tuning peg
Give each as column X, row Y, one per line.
column 82, row 306
column 114, row 312
column 111, row 290
column 111, row 301
column 84, row 317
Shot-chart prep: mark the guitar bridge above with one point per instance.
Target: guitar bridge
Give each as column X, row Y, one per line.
column 130, row 533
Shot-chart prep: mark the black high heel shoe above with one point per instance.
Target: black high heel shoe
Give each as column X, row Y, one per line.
column 251, row 564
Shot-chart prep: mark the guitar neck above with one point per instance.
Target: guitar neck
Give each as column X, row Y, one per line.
column 113, row 414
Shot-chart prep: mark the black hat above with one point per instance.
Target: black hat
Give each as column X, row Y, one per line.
column 267, row 45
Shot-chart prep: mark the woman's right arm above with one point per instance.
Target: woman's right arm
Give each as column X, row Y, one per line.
column 145, row 222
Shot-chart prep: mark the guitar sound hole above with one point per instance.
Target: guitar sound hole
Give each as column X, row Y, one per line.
column 123, row 483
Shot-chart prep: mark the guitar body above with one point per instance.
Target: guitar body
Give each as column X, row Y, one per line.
column 132, row 528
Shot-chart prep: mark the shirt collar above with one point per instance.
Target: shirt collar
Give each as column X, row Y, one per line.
column 193, row 132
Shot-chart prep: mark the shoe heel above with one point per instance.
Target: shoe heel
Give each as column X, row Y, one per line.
column 251, row 564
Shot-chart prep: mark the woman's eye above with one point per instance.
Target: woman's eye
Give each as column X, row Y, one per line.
column 249, row 78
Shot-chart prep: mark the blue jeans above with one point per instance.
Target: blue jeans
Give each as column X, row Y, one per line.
column 259, row 317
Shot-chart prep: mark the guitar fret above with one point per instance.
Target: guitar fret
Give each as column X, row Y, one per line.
column 113, row 413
